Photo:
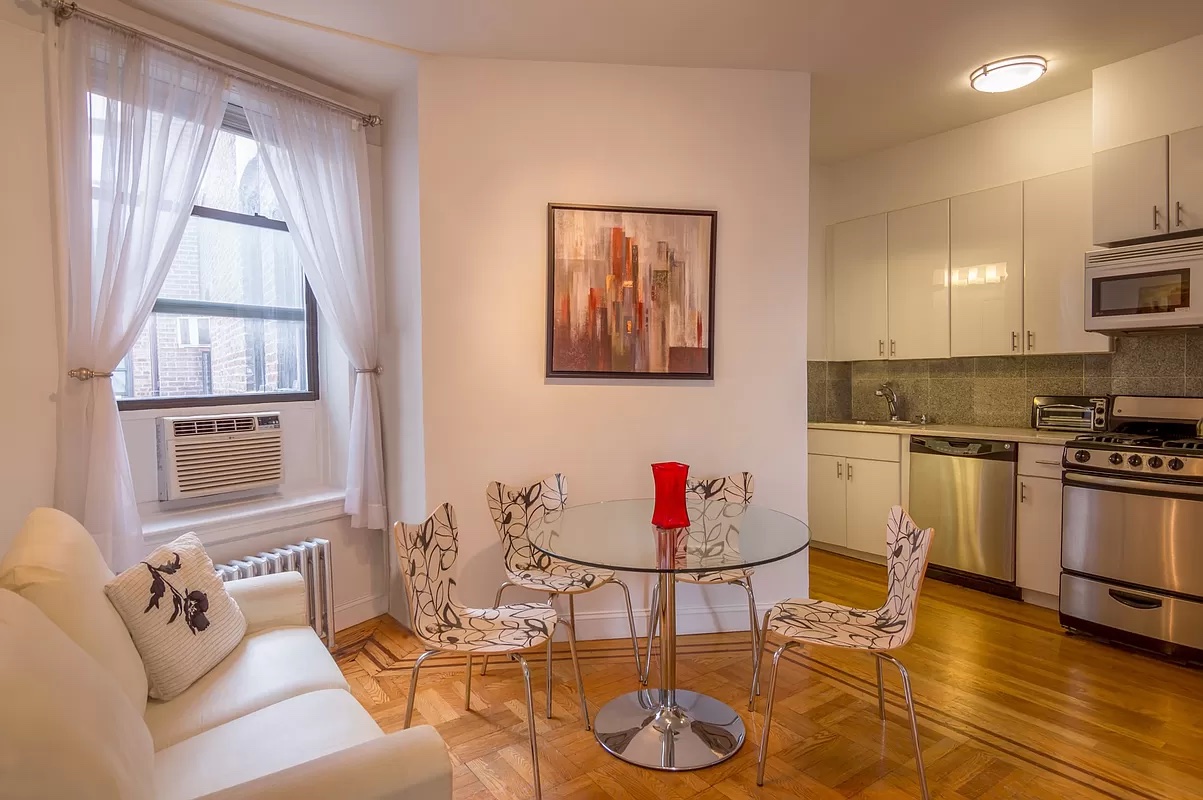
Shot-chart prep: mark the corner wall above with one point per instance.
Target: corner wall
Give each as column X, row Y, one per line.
column 501, row 139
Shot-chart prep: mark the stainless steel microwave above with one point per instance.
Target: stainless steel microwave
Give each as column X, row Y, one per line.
column 1145, row 287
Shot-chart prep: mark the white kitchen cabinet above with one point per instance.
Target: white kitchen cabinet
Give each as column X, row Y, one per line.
column 1186, row 181
column 828, row 517
column 917, row 268
column 859, row 304
column 873, row 487
column 1056, row 236
column 1038, row 535
column 986, row 269
column 1131, row 191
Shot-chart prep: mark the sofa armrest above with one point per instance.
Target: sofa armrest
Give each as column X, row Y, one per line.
column 407, row 765
column 271, row 601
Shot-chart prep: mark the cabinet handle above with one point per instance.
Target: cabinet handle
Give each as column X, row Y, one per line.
column 1014, row 341
column 1178, row 212
column 892, row 351
column 839, row 470
column 1156, row 218
column 849, row 472
column 1049, row 463
column 881, row 347
column 1031, row 336
column 1023, row 492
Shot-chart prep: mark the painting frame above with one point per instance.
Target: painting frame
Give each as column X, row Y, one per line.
column 598, row 374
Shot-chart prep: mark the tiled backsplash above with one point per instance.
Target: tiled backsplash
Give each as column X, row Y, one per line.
column 999, row 390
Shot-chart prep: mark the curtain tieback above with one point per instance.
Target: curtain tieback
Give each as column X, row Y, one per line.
column 371, row 370
column 85, row 374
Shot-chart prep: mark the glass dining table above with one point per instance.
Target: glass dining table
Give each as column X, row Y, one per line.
column 668, row 727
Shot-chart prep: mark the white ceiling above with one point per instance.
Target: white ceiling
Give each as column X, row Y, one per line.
column 885, row 71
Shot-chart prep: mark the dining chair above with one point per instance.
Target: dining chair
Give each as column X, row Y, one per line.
column 736, row 488
column 426, row 553
column 880, row 631
column 514, row 509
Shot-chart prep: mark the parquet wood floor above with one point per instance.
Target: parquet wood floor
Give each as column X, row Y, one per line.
column 1009, row 707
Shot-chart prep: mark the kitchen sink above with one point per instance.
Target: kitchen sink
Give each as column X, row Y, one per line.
column 900, row 423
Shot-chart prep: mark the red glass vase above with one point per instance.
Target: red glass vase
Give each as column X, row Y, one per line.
column 670, row 511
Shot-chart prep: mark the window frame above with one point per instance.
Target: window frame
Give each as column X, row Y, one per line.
column 308, row 314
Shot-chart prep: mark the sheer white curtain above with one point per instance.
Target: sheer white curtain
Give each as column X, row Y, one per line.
column 317, row 162
column 136, row 127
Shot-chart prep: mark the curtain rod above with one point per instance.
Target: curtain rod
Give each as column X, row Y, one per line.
column 64, row 10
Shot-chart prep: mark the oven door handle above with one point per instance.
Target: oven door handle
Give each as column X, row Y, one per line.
column 1142, row 602
column 1133, row 485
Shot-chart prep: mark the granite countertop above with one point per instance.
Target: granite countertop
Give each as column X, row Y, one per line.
column 1024, row 435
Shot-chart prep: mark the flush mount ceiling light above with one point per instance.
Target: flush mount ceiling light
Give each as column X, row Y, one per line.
column 1008, row 73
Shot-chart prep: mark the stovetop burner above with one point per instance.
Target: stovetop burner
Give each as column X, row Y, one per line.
column 1130, row 439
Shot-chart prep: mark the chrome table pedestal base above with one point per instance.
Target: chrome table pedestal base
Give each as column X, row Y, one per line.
column 674, row 730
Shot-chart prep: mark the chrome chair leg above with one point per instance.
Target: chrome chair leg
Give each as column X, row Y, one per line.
column 576, row 664
column 910, row 708
column 468, row 684
column 550, row 599
column 768, row 712
column 484, row 665
column 530, row 724
column 881, row 688
column 764, row 640
column 746, row 583
column 413, row 685
column 653, row 620
column 626, row 593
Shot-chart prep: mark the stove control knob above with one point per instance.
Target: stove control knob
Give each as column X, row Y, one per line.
column 1176, row 464
column 1082, row 456
column 1135, row 460
column 1155, row 462
column 1115, row 458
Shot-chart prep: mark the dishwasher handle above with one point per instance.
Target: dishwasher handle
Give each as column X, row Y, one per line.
column 965, row 448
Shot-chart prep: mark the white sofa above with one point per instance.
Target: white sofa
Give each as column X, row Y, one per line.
column 275, row 719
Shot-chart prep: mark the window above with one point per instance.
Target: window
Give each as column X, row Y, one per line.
column 235, row 321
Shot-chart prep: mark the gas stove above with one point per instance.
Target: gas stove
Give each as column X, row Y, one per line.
column 1152, row 436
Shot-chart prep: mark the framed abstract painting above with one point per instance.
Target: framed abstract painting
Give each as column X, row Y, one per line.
column 630, row 292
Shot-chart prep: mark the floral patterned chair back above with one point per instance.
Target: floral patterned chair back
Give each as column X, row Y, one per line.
column 736, row 488
column 907, row 549
column 514, row 508
column 427, row 552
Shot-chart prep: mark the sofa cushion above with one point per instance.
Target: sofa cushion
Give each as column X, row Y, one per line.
column 66, row 728
column 265, row 668
column 55, row 564
column 270, row 740
column 178, row 611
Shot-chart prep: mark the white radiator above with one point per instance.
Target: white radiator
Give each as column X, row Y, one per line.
column 311, row 558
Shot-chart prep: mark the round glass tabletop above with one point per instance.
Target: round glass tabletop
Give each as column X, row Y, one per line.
column 618, row 534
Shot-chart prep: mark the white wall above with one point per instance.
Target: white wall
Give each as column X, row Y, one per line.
column 501, row 139
column 1149, row 95
column 1039, row 140
column 28, row 338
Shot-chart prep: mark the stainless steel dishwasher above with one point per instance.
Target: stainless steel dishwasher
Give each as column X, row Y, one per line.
column 965, row 489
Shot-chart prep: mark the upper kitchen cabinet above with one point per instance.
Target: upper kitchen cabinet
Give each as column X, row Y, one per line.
column 917, row 266
column 1056, row 235
column 859, row 304
column 1131, row 191
column 986, row 257
column 1186, row 181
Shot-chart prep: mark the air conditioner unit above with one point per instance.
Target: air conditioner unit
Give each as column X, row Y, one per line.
column 221, row 454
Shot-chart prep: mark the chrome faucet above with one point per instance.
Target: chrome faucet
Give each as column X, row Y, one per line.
column 891, row 400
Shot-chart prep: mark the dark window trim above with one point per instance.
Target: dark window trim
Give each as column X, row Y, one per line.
column 311, row 359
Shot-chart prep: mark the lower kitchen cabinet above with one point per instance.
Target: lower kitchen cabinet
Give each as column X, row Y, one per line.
column 850, row 496
column 1038, row 534
column 874, row 487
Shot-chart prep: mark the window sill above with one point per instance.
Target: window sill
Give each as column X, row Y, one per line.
column 231, row 522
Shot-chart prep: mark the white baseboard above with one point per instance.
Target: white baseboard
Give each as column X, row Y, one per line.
column 1041, row 599
column 361, row 610
column 613, row 624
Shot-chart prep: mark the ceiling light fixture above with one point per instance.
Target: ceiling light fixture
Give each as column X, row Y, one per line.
column 1008, row 73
